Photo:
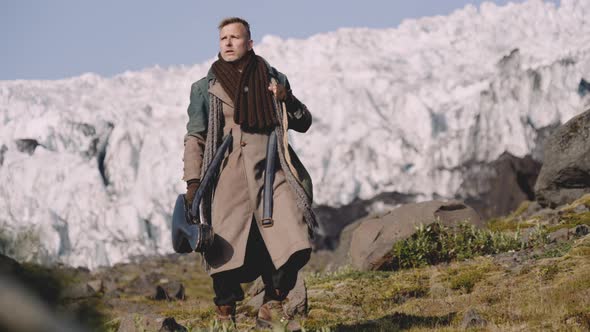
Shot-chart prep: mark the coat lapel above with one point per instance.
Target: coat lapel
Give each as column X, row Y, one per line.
column 218, row 91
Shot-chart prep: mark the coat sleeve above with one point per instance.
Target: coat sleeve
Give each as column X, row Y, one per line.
column 198, row 109
column 194, row 145
column 194, row 140
column 299, row 117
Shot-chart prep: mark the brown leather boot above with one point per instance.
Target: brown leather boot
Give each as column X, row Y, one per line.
column 226, row 314
column 271, row 315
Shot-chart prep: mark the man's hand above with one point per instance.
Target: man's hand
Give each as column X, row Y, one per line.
column 280, row 92
column 191, row 189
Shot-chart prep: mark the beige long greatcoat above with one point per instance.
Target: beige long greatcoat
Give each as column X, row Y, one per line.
column 238, row 197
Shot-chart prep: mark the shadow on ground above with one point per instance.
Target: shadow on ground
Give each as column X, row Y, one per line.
column 398, row 322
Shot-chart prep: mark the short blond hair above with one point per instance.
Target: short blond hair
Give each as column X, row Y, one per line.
column 230, row 20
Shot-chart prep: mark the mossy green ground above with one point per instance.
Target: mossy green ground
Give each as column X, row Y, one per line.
column 551, row 293
column 541, row 294
column 545, row 287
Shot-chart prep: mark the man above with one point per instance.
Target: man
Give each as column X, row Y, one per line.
column 243, row 96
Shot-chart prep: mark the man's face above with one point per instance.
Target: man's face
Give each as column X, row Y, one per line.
column 234, row 42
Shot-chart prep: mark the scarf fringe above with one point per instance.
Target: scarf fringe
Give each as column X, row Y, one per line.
column 212, row 142
column 303, row 200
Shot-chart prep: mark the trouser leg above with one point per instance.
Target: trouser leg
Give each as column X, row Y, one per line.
column 227, row 289
column 227, row 284
column 277, row 285
column 277, row 282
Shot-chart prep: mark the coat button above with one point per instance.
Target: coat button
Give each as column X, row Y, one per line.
column 243, row 143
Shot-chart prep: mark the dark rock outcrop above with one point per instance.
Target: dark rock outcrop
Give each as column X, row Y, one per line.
column 583, row 88
column 101, row 152
column 169, row 291
column 161, row 294
column 27, row 145
column 501, row 186
column 170, row 325
column 565, row 175
column 374, row 238
column 581, row 230
column 3, row 150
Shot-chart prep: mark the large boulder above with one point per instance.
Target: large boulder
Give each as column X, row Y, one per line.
column 498, row 188
column 333, row 220
column 565, row 175
column 374, row 237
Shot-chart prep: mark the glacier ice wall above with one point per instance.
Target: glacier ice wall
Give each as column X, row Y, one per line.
column 90, row 166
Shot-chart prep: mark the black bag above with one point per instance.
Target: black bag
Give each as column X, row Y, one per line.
column 189, row 232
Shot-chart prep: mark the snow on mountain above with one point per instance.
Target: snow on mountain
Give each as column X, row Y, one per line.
column 91, row 166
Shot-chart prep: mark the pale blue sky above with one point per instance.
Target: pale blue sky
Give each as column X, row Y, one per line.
column 63, row 38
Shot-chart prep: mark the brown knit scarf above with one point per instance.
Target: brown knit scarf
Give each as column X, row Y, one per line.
column 254, row 110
